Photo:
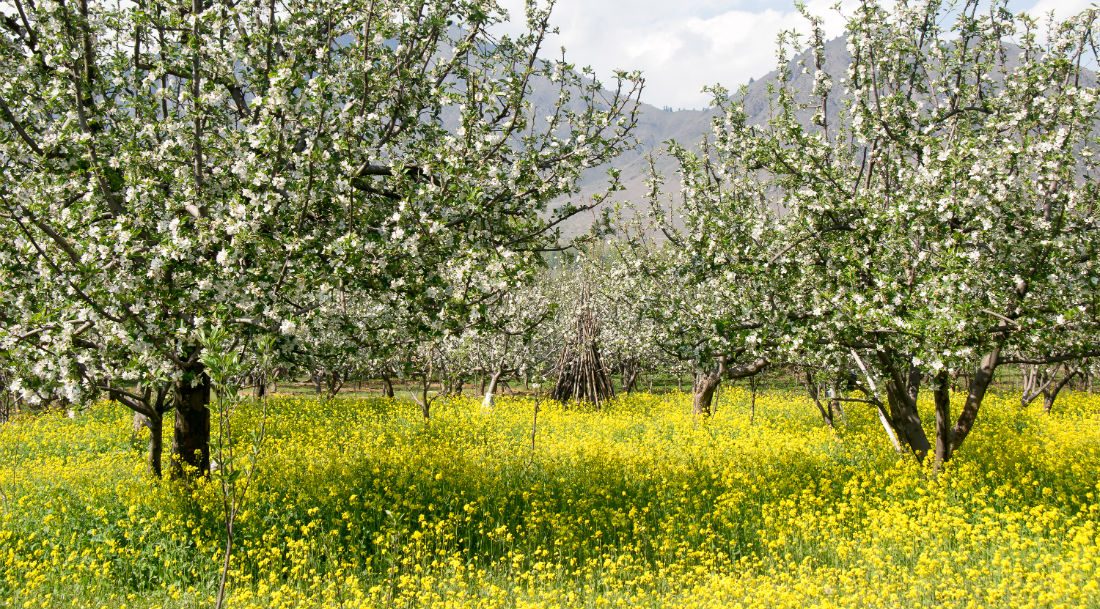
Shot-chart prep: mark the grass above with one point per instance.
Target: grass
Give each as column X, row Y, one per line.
column 358, row 503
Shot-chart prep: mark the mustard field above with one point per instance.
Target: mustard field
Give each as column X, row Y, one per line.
column 356, row 503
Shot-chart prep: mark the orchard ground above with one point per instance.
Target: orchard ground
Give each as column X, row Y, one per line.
column 358, row 503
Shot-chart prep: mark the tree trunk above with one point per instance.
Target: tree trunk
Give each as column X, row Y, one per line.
column 1036, row 382
column 153, row 420
column 629, row 380
column 335, row 383
column 1051, row 394
column 628, row 372
column 752, row 403
column 425, row 403
column 904, row 417
column 702, row 393
column 942, row 396
column 387, row 386
column 815, row 393
column 191, row 435
column 259, row 383
column 488, row 401
column 156, row 445
column 912, row 384
column 979, row 383
column 836, row 409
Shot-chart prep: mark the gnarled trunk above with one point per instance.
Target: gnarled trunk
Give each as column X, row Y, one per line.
column 702, row 392
column 334, row 383
column 628, row 371
column 905, row 420
column 387, row 386
column 191, row 434
column 900, row 397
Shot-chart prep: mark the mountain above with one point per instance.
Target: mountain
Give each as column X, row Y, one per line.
column 687, row 127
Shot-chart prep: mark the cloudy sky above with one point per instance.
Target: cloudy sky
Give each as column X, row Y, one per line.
column 683, row 45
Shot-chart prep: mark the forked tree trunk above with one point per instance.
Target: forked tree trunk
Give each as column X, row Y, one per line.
column 702, row 392
column 815, row 393
column 1037, row 380
column 191, row 435
column 905, row 420
column 387, row 386
column 491, row 391
column 628, row 371
column 1051, row 394
column 904, row 417
column 979, row 384
column 335, row 383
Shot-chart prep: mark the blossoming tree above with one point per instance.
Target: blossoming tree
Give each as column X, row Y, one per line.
column 945, row 221
column 171, row 167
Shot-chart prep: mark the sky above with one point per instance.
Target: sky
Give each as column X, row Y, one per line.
column 683, row 45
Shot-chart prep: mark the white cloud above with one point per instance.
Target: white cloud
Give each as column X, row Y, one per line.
column 680, row 46
column 683, row 45
column 1061, row 8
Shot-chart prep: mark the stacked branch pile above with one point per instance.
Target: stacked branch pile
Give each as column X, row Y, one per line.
column 581, row 373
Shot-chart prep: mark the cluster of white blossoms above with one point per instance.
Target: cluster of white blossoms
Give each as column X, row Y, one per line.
column 166, row 172
column 940, row 223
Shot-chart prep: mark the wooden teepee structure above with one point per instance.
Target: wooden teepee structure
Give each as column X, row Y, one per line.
column 581, row 374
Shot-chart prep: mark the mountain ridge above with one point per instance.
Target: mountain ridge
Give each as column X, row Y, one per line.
column 687, row 128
